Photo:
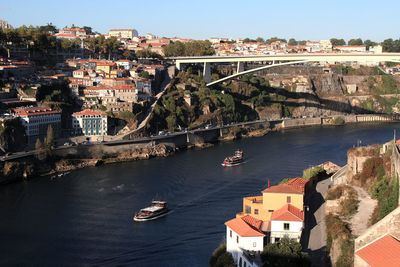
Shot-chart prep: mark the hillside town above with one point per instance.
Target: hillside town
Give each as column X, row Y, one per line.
column 109, row 95
column 206, row 134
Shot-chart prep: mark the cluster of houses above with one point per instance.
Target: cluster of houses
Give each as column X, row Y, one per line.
column 101, row 86
column 277, row 213
column 226, row 47
column 115, row 85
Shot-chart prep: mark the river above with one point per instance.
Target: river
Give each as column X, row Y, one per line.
column 85, row 218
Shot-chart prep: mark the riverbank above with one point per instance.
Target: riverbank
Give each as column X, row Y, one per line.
column 74, row 158
column 88, row 212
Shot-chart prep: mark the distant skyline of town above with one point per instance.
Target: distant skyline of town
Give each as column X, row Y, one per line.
column 287, row 19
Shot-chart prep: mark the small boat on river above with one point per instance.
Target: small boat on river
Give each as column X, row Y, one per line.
column 156, row 210
column 234, row 160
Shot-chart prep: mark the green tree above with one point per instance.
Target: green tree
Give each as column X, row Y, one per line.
column 357, row 41
column 274, row 39
column 292, row 41
column 286, row 252
column 337, row 42
column 192, row 48
column 39, row 150
column 49, row 140
column 221, row 258
column 260, row 40
column 368, row 43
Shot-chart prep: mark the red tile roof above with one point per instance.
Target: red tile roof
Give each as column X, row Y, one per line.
column 250, row 220
column 288, row 213
column 239, row 226
column 385, row 252
column 35, row 111
column 89, row 112
column 292, row 186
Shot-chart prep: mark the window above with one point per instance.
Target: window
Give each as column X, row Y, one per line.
column 254, row 244
column 288, row 199
column 270, row 210
column 247, row 209
column 286, row 226
column 230, row 233
column 256, row 211
column 237, row 239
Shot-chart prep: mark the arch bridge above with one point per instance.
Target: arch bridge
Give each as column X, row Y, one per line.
column 270, row 61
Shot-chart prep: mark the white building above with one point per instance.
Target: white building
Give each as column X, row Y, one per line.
column 287, row 221
column 377, row 49
column 123, row 33
column 36, row 121
column 90, row 122
column 351, row 48
column 244, row 238
column 124, row 63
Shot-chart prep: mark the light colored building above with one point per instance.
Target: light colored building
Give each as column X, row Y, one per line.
column 325, row 45
column 377, row 49
column 287, row 221
column 123, row 33
column 124, row 63
column 90, row 122
column 36, row 121
column 71, row 33
column 244, row 236
column 273, row 198
column 5, row 25
column 351, row 48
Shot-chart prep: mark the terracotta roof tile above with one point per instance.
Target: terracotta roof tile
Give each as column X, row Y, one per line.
column 255, row 223
column 242, row 228
column 384, row 252
column 35, row 111
column 294, row 186
column 288, row 213
column 89, row 112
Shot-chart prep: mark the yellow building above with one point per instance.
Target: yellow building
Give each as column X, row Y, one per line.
column 106, row 67
column 273, row 198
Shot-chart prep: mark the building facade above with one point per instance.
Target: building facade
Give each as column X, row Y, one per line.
column 90, row 123
column 123, row 33
column 37, row 120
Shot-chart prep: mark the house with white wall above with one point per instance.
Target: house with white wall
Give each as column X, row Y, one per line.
column 245, row 240
column 287, row 221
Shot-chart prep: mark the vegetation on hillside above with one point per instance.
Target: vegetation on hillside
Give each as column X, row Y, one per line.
column 285, row 253
column 221, row 258
column 191, row 48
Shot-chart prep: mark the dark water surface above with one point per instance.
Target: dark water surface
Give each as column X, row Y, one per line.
column 85, row 218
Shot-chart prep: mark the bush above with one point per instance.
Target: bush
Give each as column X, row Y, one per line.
column 338, row 121
column 286, row 252
column 349, row 205
column 336, row 192
column 221, row 258
column 336, row 229
column 313, row 172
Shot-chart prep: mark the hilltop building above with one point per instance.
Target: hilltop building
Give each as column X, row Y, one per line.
column 123, row 33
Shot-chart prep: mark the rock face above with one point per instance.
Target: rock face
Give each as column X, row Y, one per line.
column 17, row 171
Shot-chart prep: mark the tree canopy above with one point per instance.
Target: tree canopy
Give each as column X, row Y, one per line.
column 357, row 41
column 192, row 48
column 336, row 42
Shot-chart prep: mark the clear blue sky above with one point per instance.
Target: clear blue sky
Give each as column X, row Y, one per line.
column 301, row 19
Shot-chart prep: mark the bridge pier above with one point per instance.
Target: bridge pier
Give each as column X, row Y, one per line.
column 240, row 67
column 207, row 72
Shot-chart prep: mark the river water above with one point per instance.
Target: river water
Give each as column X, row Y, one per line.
column 85, row 218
